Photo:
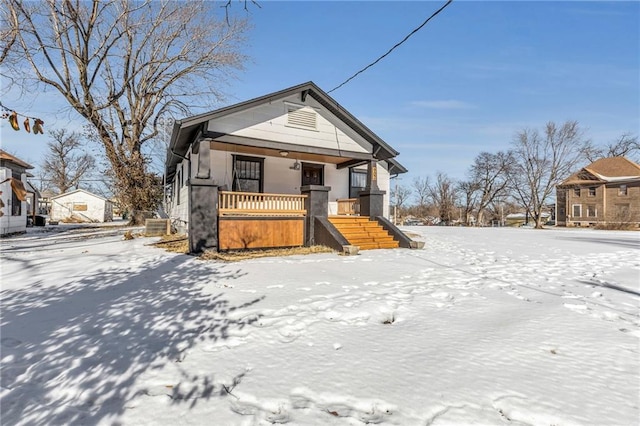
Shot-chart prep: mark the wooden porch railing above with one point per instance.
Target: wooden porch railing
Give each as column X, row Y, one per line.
column 256, row 204
column 349, row 206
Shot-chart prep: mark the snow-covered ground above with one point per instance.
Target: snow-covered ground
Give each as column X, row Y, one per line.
column 482, row 326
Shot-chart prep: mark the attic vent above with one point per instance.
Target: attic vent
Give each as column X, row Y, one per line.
column 302, row 118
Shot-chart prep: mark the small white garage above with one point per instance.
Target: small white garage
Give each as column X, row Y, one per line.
column 81, row 206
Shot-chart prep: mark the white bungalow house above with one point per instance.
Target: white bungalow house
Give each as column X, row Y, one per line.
column 285, row 169
column 81, row 205
column 13, row 194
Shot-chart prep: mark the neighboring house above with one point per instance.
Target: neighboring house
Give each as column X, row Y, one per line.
column 607, row 191
column 33, row 201
column 13, row 194
column 81, row 205
column 272, row 171
column 44, row 205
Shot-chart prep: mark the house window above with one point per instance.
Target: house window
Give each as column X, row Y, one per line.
column 576, row 192
column 248, row 174
column 16, row 204
column 622, row 212
column 357, row 182
column 591, row 210
column 312, row 174
column 592, row 191
column 577, row 210
column 622, row 190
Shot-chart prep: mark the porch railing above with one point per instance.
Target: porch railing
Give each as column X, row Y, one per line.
column 349, row 206
column 256, row 204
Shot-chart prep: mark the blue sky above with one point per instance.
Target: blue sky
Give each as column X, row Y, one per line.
column 465, row 83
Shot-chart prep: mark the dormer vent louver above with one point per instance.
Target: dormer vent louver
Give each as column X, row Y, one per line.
column 302, row 118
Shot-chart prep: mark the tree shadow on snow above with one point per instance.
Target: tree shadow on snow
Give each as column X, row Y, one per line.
column 72, row 354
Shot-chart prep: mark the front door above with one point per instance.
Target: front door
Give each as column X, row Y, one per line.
column 312, row 174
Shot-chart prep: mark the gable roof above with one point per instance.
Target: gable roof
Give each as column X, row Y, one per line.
column 5, row 156
column 186, row 130
column 611, row 169
column 614, row 167
column 79, row 190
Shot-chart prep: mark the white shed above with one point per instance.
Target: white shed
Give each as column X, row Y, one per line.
column 81, row 205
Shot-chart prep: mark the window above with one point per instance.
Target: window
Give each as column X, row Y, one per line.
column 80, row 207
column 577, row 210
column 248, row 174
column 312, row 174
column 622, row 190
column 357, row 182
column 592, row 191
column 622, row 212
column 591, row 210
column 16, row 204
column 576, row 192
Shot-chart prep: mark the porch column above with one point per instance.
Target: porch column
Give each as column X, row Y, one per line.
column 203, row 215
column 203, row 201
column 317, row 205
column 372, row 198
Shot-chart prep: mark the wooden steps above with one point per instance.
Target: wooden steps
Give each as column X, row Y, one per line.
column 363, row 232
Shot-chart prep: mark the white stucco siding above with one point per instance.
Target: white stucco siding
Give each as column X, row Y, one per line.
column 74, row 204
column 269, row 122
column 384, row 185
column 279, row 177
column 179, row 206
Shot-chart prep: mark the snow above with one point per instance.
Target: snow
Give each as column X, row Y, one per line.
column 482, row 326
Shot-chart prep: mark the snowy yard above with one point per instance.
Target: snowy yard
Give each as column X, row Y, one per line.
column 482, row 326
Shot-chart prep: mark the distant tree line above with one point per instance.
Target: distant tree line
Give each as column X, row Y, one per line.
column 521, row 179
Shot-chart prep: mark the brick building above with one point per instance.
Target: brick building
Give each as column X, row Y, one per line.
column 606, row 191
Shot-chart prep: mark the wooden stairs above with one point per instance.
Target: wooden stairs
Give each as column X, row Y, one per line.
column 363, row 232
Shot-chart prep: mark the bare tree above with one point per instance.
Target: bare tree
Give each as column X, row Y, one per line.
column 542, row 161
column 626, row 145
column 420, row 187
column 489, row 172
column 443, row 194
column 470, row 192
column 123, row 65
column 401, row 195
column 65, row 164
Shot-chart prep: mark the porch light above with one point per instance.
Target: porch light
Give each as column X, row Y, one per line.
column 284, row 153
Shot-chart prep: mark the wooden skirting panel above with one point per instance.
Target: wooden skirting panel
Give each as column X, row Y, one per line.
column 260, row 232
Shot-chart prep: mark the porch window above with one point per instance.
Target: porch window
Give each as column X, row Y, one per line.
column 312, row 174
column 357, row 182
column 591, row 210
column 577, row 210
column 592, row 191
column 248, row 174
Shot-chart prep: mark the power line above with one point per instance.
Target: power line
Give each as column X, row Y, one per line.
column 393, row 48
